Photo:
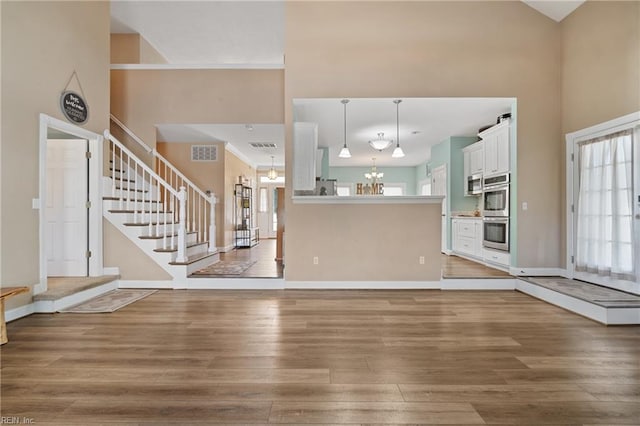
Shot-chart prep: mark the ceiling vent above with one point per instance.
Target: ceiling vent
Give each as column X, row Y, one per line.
column 204, row 153
column 261, row 145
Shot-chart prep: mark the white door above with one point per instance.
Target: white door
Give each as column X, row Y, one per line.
column 439, row 187
column 66, row 238
column 267, row 210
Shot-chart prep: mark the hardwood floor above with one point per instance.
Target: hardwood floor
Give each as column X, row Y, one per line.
column 264, row 253
column 322, row 357
column 458, row 267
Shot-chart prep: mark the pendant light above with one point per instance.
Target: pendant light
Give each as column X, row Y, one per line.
column 272, row 174
column 344, row 152
column 398, row 152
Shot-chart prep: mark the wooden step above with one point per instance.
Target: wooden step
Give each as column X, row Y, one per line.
column 122, row 179
column 152, row 224
column 138, row 211
column 174, row 249
column 195, row 259
column 161, row 236
column 109, row 198
column 132, row 189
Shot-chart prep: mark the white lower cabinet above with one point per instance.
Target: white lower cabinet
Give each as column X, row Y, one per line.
column 497, row 257
column 467, row 236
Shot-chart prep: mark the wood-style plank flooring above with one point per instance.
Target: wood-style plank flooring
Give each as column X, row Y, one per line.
column 264, row 253
column 322, row 357
column 458, row 267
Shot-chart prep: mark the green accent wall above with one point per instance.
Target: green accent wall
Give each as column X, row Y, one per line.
column 355, row 175
column 449, row 152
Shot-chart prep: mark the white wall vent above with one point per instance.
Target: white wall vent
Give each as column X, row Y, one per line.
column 262, row 145
column 204, row 153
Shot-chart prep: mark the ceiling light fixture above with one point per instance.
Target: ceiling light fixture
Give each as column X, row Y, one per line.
column 272, row 174
column 381, row 143
column 374, row 175
column 398, row 152
column 344, row 152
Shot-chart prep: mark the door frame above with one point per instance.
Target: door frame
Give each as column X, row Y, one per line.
column 95, row 142
column 571, row 139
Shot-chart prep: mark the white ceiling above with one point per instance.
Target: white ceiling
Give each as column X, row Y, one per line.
column 555, row 9
column 435, row 119
column 239, row 136
column 206, row 32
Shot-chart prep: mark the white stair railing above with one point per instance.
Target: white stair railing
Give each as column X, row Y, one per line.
column 144, row 193
column 200, row 214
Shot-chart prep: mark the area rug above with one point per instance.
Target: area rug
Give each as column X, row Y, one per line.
column 226, row 267
column 108, row 302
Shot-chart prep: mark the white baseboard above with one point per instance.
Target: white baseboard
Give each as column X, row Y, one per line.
column 19, row 312
column 111, row 270
column 479, row 284
column 448, row 252
column 146, row 284
column 537, row 272
column 363, row 285
column 226, row 249
column 235, row 284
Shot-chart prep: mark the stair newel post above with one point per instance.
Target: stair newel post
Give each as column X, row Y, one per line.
column 212, row 223
column 182, row 229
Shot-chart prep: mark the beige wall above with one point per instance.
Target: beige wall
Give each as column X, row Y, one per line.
column 364, row 242
column 133, row 49
column 42, row 44
column 143, row 98
column 133, row 263
column 600, row 63
column 233, row 169
column 600, row 67
column 337, row 49
column 208, row 176
column 125, row 48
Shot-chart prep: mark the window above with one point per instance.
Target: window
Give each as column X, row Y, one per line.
column 604, row 238
column 264, row 179
column 264, row 201
column 344, row 189
column 394, row 189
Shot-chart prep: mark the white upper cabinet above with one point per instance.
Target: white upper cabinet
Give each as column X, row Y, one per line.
column 473, row 159
column 496, row 149
column 305, row 146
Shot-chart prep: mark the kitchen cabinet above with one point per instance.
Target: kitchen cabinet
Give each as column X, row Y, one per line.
column 473, row 163
column 496, row 149
column 467, row 236
column 473, row 159
column 305, row 147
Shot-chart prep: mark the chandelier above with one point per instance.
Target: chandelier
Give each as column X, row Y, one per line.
column 272, row 174
column 381, row 143
column 374, row 174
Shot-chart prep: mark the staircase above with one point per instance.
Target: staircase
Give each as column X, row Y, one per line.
column 165, row 214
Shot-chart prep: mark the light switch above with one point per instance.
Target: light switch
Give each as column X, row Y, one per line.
column 35, row 203
column 525, row 205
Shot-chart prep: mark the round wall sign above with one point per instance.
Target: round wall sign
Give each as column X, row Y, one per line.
column 74, row 107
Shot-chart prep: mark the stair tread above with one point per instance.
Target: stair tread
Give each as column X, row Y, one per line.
column 109, row 198
column 152, row 223
column 138, row 211
column 175, row 248
column 161, row 236
column 132, row 189
column 195, row 259
column 123, row 179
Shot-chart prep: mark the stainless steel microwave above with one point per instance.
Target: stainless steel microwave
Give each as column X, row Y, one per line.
column 474, row 185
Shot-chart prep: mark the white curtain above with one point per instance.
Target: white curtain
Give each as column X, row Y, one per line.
column 605, row 207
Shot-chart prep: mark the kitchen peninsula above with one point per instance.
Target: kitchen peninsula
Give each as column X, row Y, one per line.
column 392, row 240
